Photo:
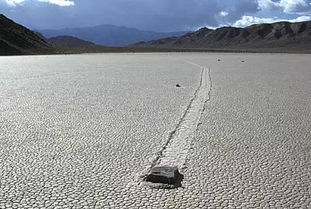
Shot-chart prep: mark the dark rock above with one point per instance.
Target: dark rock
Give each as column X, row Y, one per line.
column 164, row 175
column 178, row 86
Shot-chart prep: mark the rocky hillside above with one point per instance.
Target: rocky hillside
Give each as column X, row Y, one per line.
column 281, row 35
column 69, row 41
column 15, row 39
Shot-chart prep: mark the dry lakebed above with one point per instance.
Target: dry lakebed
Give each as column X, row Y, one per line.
column 155, row 130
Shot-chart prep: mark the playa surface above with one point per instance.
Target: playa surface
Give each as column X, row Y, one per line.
column 79, row 131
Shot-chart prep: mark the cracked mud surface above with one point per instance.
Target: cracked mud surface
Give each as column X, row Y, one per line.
column 76, row 130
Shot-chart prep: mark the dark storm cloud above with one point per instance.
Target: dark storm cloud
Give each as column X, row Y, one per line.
column 38, row 14
column 158, row 15
column 161, row 15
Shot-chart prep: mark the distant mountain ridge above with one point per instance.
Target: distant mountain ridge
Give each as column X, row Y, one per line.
column 69, row 41
column 110, row 35
column 15, row 39
column 275, row 35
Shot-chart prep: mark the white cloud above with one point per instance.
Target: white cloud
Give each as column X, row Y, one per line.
column 301, row 19
column 250, row 20
column 223, row 13
column 268, row 5
column 287, row 6
column 62, row 3
column 14, row 2
column 295, row 6
column 56, row 2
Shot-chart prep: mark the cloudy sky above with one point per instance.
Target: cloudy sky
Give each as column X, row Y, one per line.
column 156, row 15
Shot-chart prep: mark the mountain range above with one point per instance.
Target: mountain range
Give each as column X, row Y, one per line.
column 280, row 36
column 110, row 35
column 68, row 41
column 15, row 39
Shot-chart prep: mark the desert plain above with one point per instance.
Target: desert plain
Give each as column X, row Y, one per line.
column 79, row 131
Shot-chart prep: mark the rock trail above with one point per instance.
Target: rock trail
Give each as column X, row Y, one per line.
column 175, row 151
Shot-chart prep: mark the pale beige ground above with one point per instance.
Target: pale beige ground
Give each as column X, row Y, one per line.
column 75, row 130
